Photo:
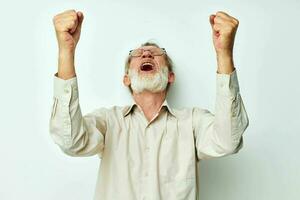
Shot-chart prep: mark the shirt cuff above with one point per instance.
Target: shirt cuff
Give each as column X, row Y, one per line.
column 227, row 84
column 65, row 90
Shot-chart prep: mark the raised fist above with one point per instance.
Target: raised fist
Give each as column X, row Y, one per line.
column 224, row 28
column 68, row 27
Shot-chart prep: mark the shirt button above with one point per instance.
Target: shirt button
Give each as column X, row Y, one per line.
column 67, row 90
column 147, row 148
column 146, row 174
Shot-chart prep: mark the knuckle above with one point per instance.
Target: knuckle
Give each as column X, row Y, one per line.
column 55, row 21
column 234, row 25
column 73, row 13
column 74, row 17
column 236, row 22
column 56, row 17
column 73, row 23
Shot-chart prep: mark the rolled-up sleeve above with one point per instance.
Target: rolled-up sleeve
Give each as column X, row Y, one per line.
column 221, row 133
column 75, row 134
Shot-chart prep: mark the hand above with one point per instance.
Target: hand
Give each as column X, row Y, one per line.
column 224, row 28
column 68, row 27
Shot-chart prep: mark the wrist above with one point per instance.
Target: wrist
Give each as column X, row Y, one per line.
column 225, row 63
column 69, row 53
column 224, row 59
column 225, row 54
column 66, row 68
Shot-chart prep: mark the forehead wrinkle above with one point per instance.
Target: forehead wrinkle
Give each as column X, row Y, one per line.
column 148, row 47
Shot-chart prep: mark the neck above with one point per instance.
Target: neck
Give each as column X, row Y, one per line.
column 149, row 102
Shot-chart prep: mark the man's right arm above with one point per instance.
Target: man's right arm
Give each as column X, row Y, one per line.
column 75, row 134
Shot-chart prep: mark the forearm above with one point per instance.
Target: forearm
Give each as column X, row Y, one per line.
column 66, row 68
column 225, row 63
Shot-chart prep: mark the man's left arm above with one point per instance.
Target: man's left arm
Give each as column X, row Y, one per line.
column 220, row 134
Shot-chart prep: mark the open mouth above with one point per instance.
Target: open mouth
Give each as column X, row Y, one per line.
column 147, row 66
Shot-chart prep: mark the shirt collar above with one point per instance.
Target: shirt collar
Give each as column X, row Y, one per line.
column 129, row 108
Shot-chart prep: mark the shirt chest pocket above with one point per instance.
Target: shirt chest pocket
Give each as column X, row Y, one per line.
column 177, row 158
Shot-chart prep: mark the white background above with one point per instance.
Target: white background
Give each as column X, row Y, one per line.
column 266, row 56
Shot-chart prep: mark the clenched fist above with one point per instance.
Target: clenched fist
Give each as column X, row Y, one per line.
column 68, row 27
column 224, row 28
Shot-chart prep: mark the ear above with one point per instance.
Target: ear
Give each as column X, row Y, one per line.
column 171, row 77
column 126, row 80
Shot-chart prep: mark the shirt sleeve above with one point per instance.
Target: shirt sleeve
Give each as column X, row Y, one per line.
column 75, row 134
column 221, row 133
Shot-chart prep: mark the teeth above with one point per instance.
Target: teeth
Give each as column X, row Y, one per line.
column 145, row 66
column 147, row 63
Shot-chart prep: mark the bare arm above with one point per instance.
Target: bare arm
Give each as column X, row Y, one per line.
column 66, row 68
column 68, row 28
column 224, row 28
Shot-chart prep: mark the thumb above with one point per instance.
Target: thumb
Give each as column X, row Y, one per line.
column 212, row 23
column 211, row 20
column 80, row 19
column 76, row 34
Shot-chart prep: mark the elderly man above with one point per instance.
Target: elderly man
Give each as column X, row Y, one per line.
column 148, row 150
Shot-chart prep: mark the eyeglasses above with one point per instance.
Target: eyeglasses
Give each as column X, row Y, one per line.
column 153, row 51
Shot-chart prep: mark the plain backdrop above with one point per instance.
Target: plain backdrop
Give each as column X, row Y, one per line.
column 266, row 57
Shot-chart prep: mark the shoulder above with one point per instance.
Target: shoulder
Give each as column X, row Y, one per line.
column 118, row 111
column 188, row 112
column 181, row 113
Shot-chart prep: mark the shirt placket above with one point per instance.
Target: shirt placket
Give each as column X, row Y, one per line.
column 147, row 173
column 146, row 163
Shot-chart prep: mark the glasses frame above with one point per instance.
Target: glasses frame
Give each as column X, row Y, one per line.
column 143, row 50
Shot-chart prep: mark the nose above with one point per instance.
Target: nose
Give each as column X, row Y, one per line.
column 147, row 54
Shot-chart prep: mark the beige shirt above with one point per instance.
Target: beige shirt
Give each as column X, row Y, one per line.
column 149, row 160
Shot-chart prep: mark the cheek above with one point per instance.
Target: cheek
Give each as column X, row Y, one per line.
column 160, row 60
column 134, row 64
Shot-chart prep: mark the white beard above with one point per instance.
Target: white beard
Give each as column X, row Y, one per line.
column 153, row 83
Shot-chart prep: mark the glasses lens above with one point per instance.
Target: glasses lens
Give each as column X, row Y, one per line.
column 156, row 51
column 136, row 52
